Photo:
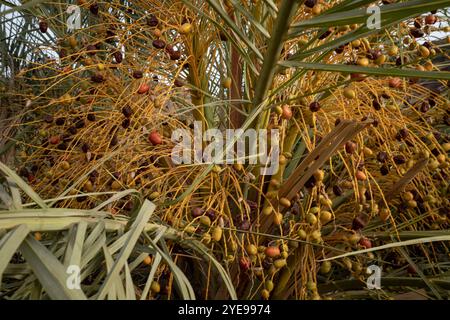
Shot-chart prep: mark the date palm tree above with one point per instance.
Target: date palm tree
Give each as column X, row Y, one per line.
column 356, row 89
